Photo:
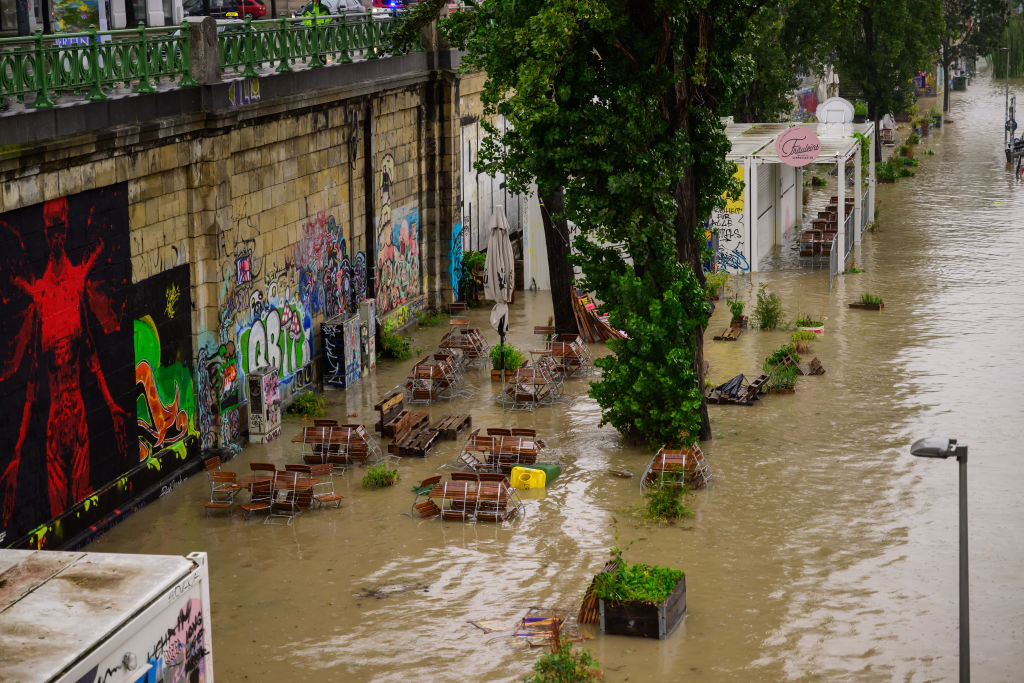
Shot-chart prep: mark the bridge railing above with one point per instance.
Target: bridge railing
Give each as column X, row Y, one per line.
column 39, row 69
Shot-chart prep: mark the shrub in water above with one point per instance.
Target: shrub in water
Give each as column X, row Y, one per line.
column 768, row 309
column 429, row 318
column 392, row 344
column 666, row 502
column 309, row 404
column 513, row 357
column 568, row 665
column 379, row 476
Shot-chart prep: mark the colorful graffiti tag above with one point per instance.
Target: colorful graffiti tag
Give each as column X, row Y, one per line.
column 67, row 394
column 165, row 403
column 730, row 226
column 455, row 259
column 280, row 335
column 179, row 654
column 217, row 392
column 329, row 281
column 398, row 239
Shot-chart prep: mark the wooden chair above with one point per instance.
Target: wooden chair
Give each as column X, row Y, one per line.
column 523, row 431
column 286, row 499
column 323, row 489
column 213, row 463
column 494, row 477
column 223, row 488
column 426, row 508
column 267, row 467
column 260, row 499
column 465, row 476
column 498, row 431
column 325, row 423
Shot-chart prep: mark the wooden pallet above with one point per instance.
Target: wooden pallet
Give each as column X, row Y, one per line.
column 729, row 334
column 415, row 443
column 788, row 362
column 390, row 408
column 815, row 367
column 450, row 426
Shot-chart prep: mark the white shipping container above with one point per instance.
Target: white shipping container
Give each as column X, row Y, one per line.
column 79, row 617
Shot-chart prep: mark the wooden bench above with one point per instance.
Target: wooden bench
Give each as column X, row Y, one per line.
column 450, row 426
column 729, row 334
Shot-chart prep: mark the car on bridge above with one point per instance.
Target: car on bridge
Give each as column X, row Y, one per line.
column 353, row 10
column 219, row 9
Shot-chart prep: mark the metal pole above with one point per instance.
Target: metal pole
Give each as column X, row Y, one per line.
column 965, row 629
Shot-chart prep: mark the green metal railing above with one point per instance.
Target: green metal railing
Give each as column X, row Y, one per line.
column 92, row 62
column 41, row 68
column 283, row 43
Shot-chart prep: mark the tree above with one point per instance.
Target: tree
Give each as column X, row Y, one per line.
column 969, row 27
column 618, row 103
column 881, row 45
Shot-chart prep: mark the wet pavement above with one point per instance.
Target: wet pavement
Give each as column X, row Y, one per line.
column 822, row 552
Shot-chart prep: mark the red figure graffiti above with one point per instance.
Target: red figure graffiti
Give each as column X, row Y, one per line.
column 54, row 335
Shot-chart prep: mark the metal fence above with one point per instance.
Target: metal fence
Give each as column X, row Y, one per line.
column 41, row 68
column 848, row 235
column 864, row 213
column 833, row 261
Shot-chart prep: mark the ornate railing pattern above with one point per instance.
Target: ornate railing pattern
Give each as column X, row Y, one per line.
column 283, row 43
column 92, row 62
column 39, row 69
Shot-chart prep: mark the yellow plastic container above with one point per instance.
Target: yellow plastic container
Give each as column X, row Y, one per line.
column 527, row 478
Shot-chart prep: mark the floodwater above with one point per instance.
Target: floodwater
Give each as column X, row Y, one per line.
column 823, row 551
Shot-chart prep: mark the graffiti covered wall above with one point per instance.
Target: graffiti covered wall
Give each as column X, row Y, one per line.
column 66, row 371
column 733, row 233
column 399, row 278
column 165, row 404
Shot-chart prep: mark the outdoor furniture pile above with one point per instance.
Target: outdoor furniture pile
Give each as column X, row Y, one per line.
column 677, row 466
column 468, row 340
column 434, row 377
column 502, row 449
column 530, row 387
column 738, row 391
column 467, row 497
column 341, row 445
column 818, row 240
column 282, row 494
column 569, row 353
column 411, row 433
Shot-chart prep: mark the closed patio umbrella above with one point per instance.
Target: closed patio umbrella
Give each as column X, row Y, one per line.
column 499, row 275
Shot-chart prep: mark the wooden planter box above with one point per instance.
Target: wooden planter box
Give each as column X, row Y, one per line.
column 908, row 152
column 738, row 322
column 629, row 618
column 867, row 307
column 782, row 391
column 496, row 375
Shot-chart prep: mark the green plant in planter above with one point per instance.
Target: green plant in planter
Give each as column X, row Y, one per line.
column 736, row 307
column 513, row 358
column 308, row 404
column 379, row 476
column 392, row 344
column 776, row 356
column 860, row 108
column 907, row 161
column 783, row 378
column 640, row 582
column 913, row 139
column 667, row 501
column 804, row 320
column 818, row 181
column 715, row 281
column 871, row 299
column 472, row 264
column 801, row 340
column 886, row 171
column 768, row 309
column 567, row 665
column 429, row 318
column 929, row 152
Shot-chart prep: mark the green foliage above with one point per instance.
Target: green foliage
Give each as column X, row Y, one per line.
column 818, row 181
column 513, row 357
column 929, row 152
column 782, row 377
column 802, row 336
column 736, row 308
column 853, row 270
column 715, row 281
column 379, row 476
column 913, row 139
column 887, row 171
column 568, row 665
column 308, row 404
column 1012, row 37
column 640, row 582
column 804, row 320
column 667, row 502
column 865, row 147
column 768, row 309
column 860, row 108
column 429, row 318
column 776, row 356
column 472, row 264
column 907, row 162
column 934, row 114
column 871, row 299
column 392, row 344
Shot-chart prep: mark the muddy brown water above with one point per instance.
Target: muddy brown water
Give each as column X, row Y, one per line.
column 823, row 551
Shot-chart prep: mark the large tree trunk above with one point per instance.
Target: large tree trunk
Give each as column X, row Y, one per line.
column 560, row 271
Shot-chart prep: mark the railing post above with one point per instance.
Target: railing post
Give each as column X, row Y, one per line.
column 250, row 51
column 95, row 74
column 284, row 61
column 345, row 43
column 315, row 62
column 142, row 59
column 39, row 71
column 187, row 80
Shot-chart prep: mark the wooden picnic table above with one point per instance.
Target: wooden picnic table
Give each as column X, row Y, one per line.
column 331, row 435
column 247, row 481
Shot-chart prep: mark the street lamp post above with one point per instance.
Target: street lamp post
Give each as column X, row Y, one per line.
column 937, row 447
column 1006, row 107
